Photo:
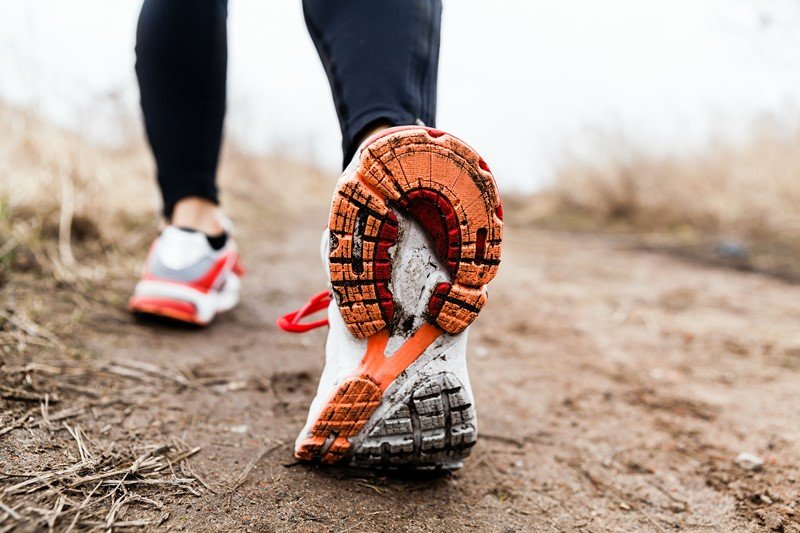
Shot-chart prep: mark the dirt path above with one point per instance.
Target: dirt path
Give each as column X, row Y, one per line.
column 614, row 387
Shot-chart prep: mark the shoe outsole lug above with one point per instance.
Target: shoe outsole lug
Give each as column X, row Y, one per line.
column 345, row 414
column 448, row 188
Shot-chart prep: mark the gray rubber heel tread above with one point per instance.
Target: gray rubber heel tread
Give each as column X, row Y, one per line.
column 433, row 427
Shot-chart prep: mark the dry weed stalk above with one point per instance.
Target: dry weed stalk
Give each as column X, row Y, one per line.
column 106, row 480
column 75, row 221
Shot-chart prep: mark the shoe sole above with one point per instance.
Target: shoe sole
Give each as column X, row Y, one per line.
column 177, row 310
column 432, row 424
column 449, row 190
column 183, row 303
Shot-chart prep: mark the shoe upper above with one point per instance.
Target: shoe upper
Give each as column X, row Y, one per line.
column 184, row 256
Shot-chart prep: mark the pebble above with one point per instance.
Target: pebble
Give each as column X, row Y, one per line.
column 749, row 461
column 733, row 249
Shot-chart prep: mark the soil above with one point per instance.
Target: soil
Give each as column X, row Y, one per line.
column 615, row 388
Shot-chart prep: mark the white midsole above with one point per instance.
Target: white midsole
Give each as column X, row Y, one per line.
column 207, row 305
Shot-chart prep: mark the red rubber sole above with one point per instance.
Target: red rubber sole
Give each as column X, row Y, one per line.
column 164, row 307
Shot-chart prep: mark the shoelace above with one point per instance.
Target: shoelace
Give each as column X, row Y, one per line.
column 291, row 321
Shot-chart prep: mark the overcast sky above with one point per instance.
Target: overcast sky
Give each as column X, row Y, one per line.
column 524, row 81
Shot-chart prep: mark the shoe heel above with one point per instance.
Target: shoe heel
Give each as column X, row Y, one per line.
column 432, row 427
column 448, row 189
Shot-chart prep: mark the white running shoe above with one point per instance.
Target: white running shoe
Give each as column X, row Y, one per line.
column 414, row 236
column 185, row 279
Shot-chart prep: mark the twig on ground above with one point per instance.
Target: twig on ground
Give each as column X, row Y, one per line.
column 503, row 438
column 10, row 512
column 55, row 513
column 155, row 371
column 80, row 508
column 112, row 513
column 85, row 455
column 243, row 476
column 10, row 394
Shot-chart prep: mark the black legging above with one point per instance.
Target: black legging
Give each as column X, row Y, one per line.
column 381, row 58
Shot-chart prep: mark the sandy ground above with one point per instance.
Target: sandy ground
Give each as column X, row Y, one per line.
column 615, row 388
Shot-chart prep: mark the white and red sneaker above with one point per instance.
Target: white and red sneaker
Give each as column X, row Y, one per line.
column 185, row 279
column 414, row 236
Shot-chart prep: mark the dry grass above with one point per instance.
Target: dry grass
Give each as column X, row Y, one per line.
column 63, row 203
column 749, row 189
column 95, row 482
column 728, row 204
column 75, row 221
column 58, row 191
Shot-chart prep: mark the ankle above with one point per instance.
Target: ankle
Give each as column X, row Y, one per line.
column 198, row 214
column 371, row 132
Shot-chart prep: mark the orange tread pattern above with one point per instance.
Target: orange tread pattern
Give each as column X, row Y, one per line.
column 437, row 173
column 345, row 414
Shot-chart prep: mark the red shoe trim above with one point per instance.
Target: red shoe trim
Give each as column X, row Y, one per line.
column 174, row 309
column 238, row 267
column 207, row 281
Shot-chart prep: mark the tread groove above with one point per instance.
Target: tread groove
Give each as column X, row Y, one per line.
column 416, row 427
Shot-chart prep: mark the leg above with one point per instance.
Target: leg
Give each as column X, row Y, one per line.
column 412, row 240
column 192, row 271
column 381, row 58
column 181, row 63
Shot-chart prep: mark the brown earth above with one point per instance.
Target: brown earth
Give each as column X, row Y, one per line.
column 615, row 388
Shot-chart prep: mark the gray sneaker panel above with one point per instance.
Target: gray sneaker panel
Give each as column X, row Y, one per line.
column 190, row 273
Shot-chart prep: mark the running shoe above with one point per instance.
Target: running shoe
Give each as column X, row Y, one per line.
column 413, row 238
column 186, row 279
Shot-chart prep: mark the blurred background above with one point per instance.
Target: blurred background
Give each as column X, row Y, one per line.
column 675, row 122
column 529, row 83
column 679, row 119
